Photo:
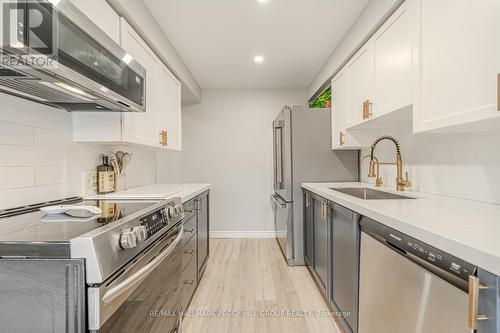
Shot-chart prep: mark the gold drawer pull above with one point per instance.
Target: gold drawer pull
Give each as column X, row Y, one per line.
column 367, row 109
column 342, row 138
column 498, row 92
column 163, row 138
column 474, row 288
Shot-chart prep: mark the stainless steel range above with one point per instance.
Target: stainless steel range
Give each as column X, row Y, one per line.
column 115, row 272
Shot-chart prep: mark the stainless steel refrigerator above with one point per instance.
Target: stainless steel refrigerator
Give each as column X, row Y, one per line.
column 303, row 153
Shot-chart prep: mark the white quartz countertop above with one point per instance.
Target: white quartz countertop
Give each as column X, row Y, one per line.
column 186, row 191
column 469, row 230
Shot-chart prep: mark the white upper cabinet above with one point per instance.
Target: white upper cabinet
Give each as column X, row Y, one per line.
column 160, row 126
column 341, row 100
column 360, row 72
column 340, row 108
column 392, row 64
column 170, row 117
column 102, row 15
column 459, row 63
column 141, row 128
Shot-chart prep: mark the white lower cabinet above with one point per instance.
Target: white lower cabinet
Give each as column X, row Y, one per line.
column 459, row 64
column 160, row 126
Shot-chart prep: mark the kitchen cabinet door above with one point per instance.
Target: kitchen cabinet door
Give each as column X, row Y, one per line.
column 459, row 63
column 321, row 244
column 341, row 100
column 392, row 58
column 345, row 243
column 360, row 71
column 489, row 302
column 169, row 113
column 102, row 15
column 142, row 128
column 203, row 232
column 340, row 108
column 309, row 229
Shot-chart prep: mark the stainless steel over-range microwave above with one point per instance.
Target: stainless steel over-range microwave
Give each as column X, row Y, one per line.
column 53, row 54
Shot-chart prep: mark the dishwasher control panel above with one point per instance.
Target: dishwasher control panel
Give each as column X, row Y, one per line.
column 439, row 258
column 409, row 246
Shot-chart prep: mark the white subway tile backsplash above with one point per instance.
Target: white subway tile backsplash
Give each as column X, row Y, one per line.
column 16, row 177
column 28, row 195
column 16, row 155
column 15, row 134
column 458, row 165
column 52, row 139
column 51, row 175
column 39, row 160
column 50, row 156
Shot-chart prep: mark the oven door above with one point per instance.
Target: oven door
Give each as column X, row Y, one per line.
column 144, row 296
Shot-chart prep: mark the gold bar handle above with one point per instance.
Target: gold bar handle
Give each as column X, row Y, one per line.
column 342, row 138
column 498, row 92
column 161, row 138
column 474, row 288
column 326, row 211
column 367, row 109
column 307, row 200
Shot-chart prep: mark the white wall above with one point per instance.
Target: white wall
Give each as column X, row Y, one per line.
column 40, row 162
column 372, row 16
column 458, row 165
column 227, row 141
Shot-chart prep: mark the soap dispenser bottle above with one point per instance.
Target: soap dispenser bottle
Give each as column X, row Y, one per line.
column 105, row 177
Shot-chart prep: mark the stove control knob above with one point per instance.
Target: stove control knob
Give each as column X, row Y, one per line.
column 128, row 240
column 180, row 209
column 141, row 233
column 172, row 212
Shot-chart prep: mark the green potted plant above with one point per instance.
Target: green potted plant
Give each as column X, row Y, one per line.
column 324, row 100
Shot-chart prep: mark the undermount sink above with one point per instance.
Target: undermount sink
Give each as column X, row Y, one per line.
column 366, row 193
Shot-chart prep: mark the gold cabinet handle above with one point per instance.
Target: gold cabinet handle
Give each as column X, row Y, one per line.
column 307, row 200
column 367, row 113
column 163, row 138
column 474, row 288
column 342, row 138
column 326, row 211
column 498, row 92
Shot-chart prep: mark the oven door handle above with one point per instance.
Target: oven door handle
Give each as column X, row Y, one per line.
column 141, row 274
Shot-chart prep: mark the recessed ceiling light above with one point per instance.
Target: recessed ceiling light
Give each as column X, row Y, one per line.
column 258, row 59
column 127, row 58
column 262, row 1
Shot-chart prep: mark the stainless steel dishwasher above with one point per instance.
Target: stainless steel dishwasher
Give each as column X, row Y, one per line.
column 408, row 286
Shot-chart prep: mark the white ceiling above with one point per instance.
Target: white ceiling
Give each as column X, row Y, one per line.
column 218, row 39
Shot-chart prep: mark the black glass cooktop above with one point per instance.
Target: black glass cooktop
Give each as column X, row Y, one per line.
column 35, row 226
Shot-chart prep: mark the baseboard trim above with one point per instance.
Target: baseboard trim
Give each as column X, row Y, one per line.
column 242, row 234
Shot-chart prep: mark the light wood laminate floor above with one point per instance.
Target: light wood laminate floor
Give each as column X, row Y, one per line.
column 251, row 275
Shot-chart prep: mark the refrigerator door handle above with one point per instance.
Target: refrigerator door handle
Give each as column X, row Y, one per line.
column 278, row 155
column 279, row 201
